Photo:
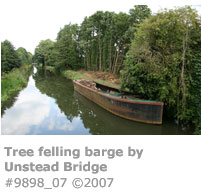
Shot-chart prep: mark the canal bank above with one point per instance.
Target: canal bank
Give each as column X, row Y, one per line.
column 13, row 82
column 105, row 78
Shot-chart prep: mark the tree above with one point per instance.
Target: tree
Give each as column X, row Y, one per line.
column 67, row 48
column 44, row 53
column 9, row 57
column 30, row 57
column 25, row 57
column 121, row 25
column 101, row 36
column 159, row 63
column 90, row 42
column 105, row 37
column 136, row 16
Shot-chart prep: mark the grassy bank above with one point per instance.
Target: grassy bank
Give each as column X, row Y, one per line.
column 74, row 75
column 100, row 77
column 14, row 81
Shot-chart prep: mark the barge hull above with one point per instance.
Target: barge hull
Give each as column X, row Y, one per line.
column 141, row 111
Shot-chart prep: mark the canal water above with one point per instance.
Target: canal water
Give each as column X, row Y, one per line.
column 50, row 106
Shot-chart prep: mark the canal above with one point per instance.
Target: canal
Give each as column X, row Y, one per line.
column 49, row 106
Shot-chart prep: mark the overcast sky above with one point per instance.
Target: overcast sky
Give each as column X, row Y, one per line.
column 26, row 22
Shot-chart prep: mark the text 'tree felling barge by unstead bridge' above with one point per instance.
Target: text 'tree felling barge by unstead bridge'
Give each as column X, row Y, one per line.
column 123, row 105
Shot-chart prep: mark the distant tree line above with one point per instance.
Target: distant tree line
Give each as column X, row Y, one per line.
column 99, row 43
column 11, row 58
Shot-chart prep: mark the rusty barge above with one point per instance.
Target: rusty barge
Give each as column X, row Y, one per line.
column 125, row 106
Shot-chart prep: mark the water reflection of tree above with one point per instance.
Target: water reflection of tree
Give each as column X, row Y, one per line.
column 13, row 98
column 101, row 122
column 89, row 116
column 72, row 106
column 9, row 103
column 95, row 118
column 60, row 89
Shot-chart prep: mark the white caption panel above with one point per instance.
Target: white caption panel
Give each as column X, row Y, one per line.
column 100, row 165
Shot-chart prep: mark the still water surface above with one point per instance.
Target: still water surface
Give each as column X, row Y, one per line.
column 49, row 106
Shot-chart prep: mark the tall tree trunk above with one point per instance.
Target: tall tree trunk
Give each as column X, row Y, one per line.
column 114, row 60
column 110, row 55
column 183, row 84
column 116, row 63
column 87, row 60
column 85, row 63
column 97, row 68
column 100, row 53
column 43, row 63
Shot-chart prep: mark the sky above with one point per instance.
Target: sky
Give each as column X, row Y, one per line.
column 26, row 22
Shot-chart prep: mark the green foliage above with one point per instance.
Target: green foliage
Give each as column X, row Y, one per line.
column 73, row 75
column 13, row 81
column 45, row 53
column 195, row 82
column 9, row 57
column 105, row 37
column 159, row 64
column 67, row 48
column 25, row 57
column 50, row 69
column 136, row 16
column 139, row 13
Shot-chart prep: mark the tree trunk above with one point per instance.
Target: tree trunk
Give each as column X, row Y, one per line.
column 100, row 53
column 97, row 62
column 43, row 63
column 114, row 60
column 110, row 55
column 88, row 62
column 183, row 84
column 85, row 63
column 116, row 63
